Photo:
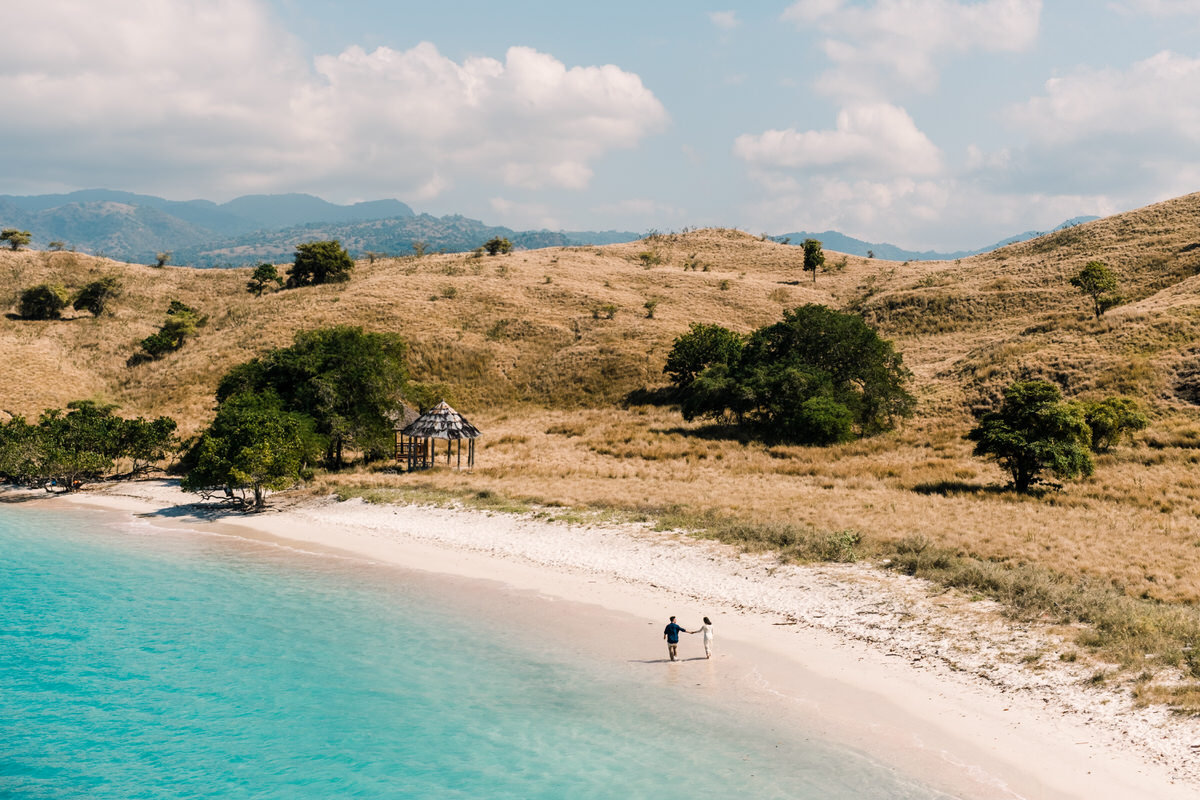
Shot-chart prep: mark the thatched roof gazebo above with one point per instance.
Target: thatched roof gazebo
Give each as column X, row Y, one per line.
column 415, row 441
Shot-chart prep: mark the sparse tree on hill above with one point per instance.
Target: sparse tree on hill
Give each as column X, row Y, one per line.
column 264, row 275
column 95, row 296
column 1034, row 432
column 163, row 258
column 1099, row 283
column 497, row 246
column 320, row 262
column 420, row 248
column 44, row 301
column 16, row 238
column 57, row 245
column 814, row 257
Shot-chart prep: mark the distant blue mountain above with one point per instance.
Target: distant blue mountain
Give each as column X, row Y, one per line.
column 250, row 229
column 840, row 243
column 254, row 228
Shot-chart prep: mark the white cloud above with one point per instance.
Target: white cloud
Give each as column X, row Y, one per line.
column 214, row 95
column 1134, row 131
column 727, row 20
column 1158, row 8
column 897, row 43
column 870, row 140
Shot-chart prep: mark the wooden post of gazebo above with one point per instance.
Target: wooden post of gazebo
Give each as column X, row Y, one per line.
column 441, row 422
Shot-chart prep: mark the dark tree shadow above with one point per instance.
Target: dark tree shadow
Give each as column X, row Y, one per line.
column 658, row 396
column 713, row 432
column 950, row 488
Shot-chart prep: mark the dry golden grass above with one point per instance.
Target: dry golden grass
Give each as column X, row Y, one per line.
column 540, row 348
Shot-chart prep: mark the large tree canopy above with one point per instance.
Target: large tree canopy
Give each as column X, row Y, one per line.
column 346, row 380
column 1035, row 431
column 818, row 376
column 253, row 445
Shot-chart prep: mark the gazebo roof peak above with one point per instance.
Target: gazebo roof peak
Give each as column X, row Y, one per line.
column 441, row 422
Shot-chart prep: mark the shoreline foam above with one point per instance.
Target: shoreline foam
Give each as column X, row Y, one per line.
column 931, row 683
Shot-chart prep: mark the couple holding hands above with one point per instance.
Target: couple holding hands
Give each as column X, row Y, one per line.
column 673, row 629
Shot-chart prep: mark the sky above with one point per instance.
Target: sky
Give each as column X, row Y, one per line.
column 940, row 124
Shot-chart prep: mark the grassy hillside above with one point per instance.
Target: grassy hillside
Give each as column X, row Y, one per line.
column 540, row 348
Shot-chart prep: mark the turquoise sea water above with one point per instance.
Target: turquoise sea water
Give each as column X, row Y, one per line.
column 142, row 662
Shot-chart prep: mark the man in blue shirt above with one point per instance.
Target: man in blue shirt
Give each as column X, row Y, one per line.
column 671, row 634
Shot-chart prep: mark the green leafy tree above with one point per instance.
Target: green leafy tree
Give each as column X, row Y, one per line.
column 95, row 296
column 252, row 447
column 319, row 262
column 1099, row 283
column 181, row 323
column 16, row 238
column 497, row 246
column 44, row 301
column 67, row 449
column 814, row 257
column 818, row 376
column 346, row 380
column 1113, row 419
column 1034, row 432
column 265, row 275
column 701, row 347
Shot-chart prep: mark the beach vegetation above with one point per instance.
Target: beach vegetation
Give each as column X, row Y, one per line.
column 1099, row 283
column 254, row 446
column 265, row 276
column 317, row 263
column 346, row 380
column 94, row 297
column 44, row 301
column 64, row 450
column 1035, row 432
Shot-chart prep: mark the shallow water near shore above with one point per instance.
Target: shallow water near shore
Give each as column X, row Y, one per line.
column 138, row 661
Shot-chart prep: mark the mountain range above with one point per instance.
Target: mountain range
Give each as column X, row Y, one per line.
column 255, row 228
column 839, row 242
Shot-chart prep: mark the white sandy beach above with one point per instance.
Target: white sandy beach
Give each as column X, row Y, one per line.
column 924, row 680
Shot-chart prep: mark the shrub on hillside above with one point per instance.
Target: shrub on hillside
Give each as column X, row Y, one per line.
column 497, row 246
column 181, row 323
column 1113, row 419
column 319, row 262
column 95, row 296
column 44, row 301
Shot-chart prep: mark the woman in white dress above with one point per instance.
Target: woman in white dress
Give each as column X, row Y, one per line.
column 706, row 629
